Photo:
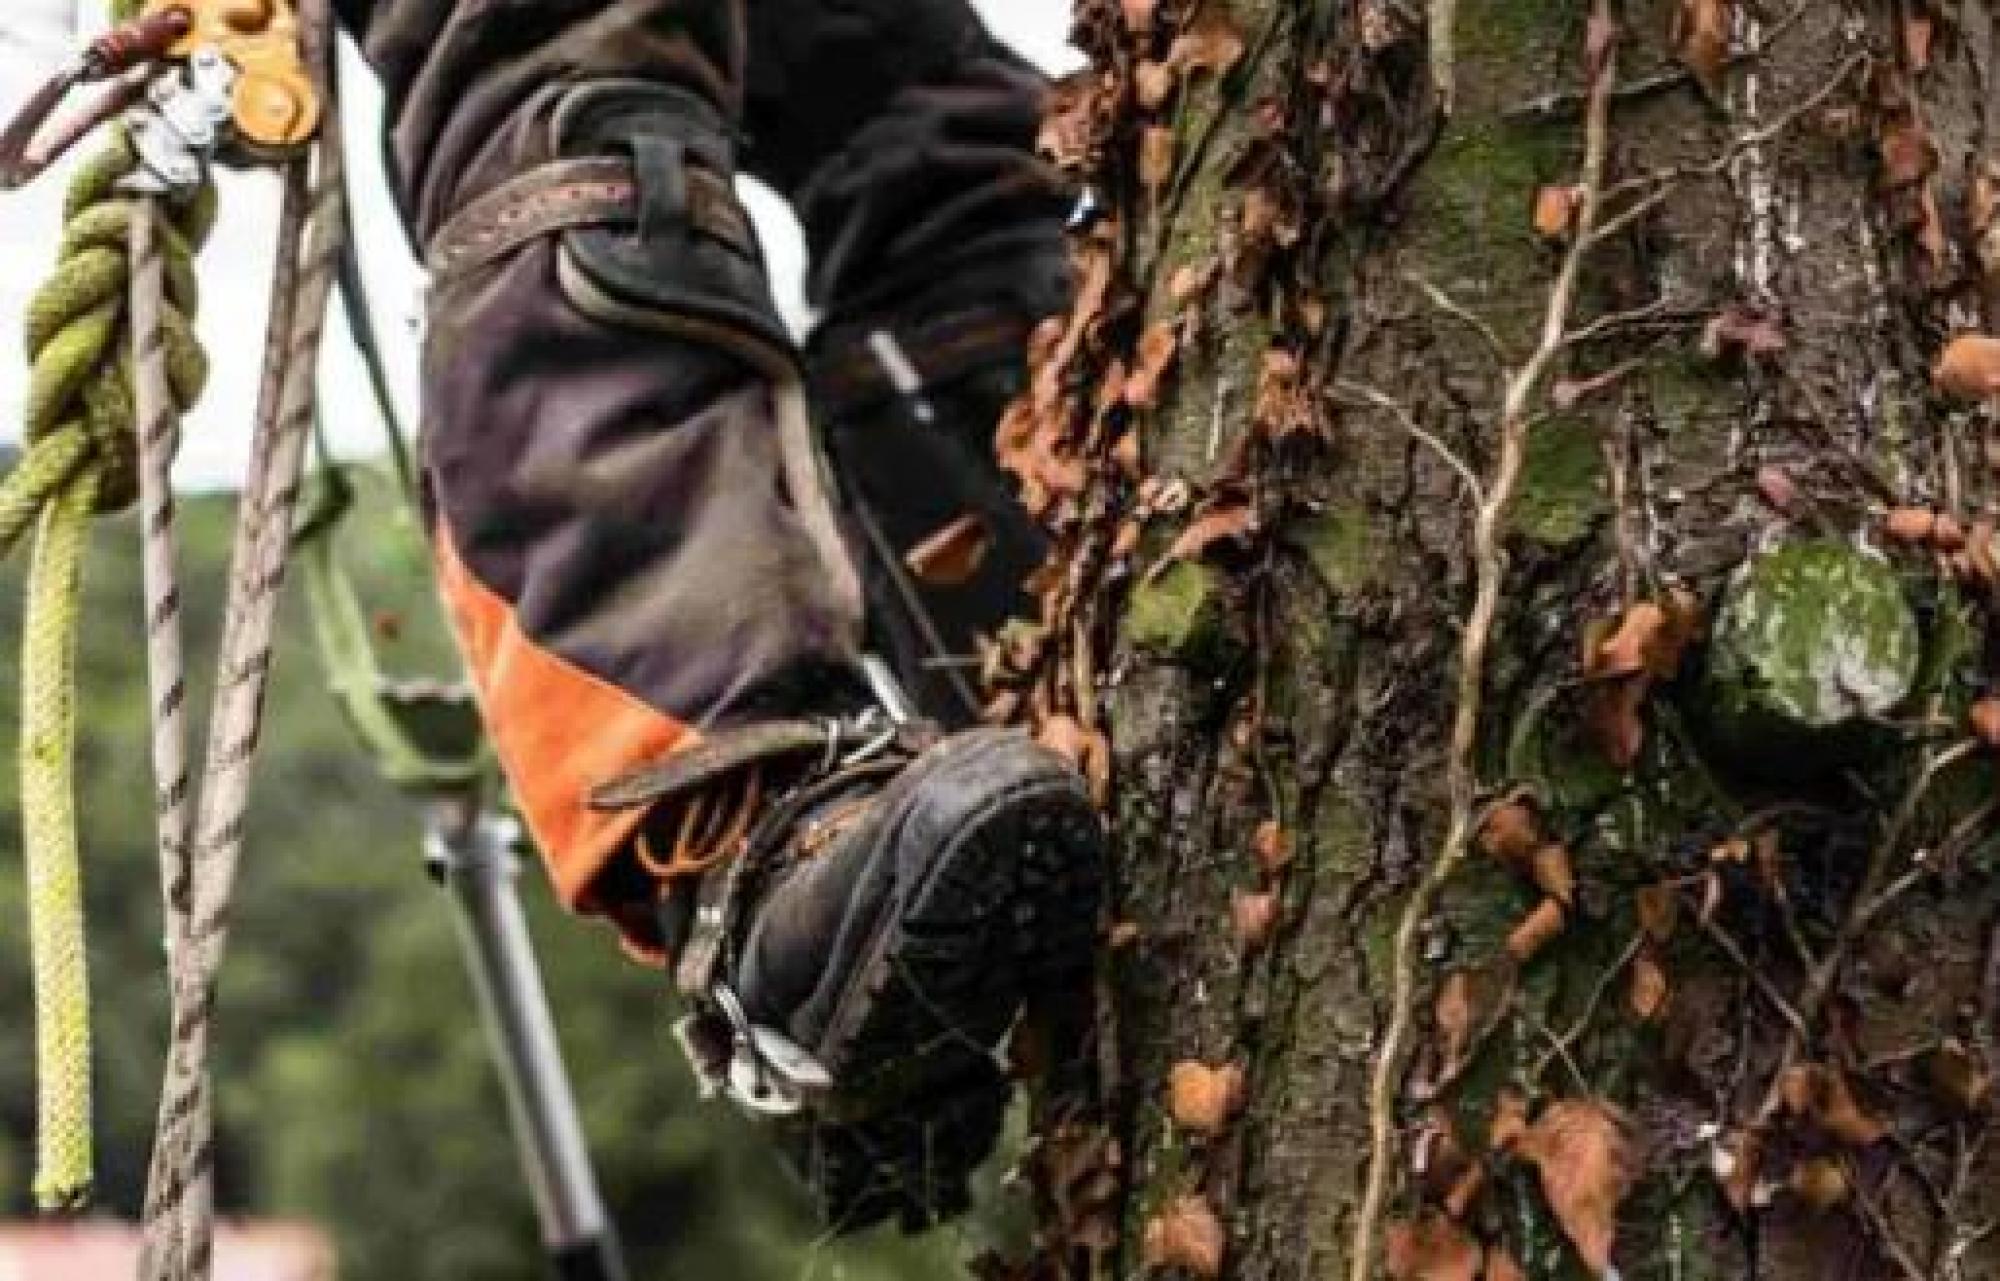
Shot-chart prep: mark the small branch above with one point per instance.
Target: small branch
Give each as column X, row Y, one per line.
column 1394, row 408
column 1442, row 19
column 1458, row 311
column 1489, row 555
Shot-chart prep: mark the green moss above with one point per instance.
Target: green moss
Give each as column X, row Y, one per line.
column 1814, row 641
column 1181, row 614
column 1562, row 490
column 1340, row 545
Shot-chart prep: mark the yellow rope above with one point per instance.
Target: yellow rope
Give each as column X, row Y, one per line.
column 55, row 877
column 81, row 459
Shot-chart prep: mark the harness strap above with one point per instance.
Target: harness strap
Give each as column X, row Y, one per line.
column 569, row 195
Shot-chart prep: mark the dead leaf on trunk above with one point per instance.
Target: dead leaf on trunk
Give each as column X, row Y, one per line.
column 1588, row 1161
column 1156, row 356
column 1204, row 1100
column 952, row 556
column 1186, row 1235
column 1822, row 1096
column 1740, row 330
column 1211, row 44
column 1822, row 1183
column 1254, row 917
column 1650, row 989
column 1511, row 833
column 1912, row 526
column 1984, row 720
column 1555, row 211
column 1542, row 927
column 1227, row 518
column 1453, row 1014
column 1272, row 845
column 1500, row 1265
column 1432, row 1248
column 1919, row 32
column 1701, row 40
column 1969, row 369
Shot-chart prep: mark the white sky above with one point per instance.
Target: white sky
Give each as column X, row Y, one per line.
column 35, row 35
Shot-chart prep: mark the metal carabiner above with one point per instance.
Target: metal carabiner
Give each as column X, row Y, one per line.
column 142, row 42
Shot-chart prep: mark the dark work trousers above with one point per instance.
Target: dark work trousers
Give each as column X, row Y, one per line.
column 622, row 529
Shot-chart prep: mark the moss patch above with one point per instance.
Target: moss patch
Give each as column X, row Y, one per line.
column 1562, row 484
column 1814, row 640
column 1340, row 546
column 1180, row 614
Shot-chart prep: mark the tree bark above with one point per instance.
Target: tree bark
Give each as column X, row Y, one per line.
column 1527, row 600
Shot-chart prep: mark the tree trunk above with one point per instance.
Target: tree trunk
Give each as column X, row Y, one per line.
column 1525, row 572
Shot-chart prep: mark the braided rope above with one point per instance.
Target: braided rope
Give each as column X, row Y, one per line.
column 81, row 459
column 183, row 1164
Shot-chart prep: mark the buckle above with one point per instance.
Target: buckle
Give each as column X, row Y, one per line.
column 759, row 1069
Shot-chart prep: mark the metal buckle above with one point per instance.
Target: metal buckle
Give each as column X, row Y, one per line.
column 759, row 1069
column 179, row 129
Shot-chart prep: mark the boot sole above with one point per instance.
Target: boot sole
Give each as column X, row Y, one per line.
column 1007, row 908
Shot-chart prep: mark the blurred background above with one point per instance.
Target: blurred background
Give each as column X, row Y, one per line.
column 362, row 1129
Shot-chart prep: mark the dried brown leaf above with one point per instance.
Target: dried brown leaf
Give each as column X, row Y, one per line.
column 1984, row 719
column 1228, row 519
column 1822, row 1095
column 1821, row 1183
column 1740, row 330
column 1204, row 1100
column 1540, row 928
column 1211, row 44
column 1186, row 1235
column 1554, row 874
column 1500, row 1265
column 1960, row 1077
column 1659, row 909
column 1254, row 918
column 1153, row 83
column 1907, row 152
column 951, row 557
column 1156, row 356
column 1453, row 1013
column 1701, row 40
column 1555, row 211
column 1587, row 1160
column 1969, row 368
column 1650, row 989
column 1919, row 32
column 1511, row 834
column 1510, row 1120
column 1432, row 1248
column 1912, row 526
column 1273, row 847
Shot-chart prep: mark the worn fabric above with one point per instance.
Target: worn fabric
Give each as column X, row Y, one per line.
column 624, row 540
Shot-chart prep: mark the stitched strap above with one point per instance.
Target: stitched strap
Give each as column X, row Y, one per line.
column 689, row 771
column 566, row 195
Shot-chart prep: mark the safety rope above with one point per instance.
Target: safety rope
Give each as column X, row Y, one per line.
column 182, row 1187
column 80, row 461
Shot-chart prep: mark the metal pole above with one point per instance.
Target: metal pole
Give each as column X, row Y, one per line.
column 471, row 852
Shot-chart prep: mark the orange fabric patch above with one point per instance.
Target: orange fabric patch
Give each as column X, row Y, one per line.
column 558, row 730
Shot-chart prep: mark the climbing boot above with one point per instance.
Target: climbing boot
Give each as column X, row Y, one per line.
column 857, row 964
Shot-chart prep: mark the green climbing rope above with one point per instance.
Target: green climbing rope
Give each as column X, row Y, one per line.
column 81, row 460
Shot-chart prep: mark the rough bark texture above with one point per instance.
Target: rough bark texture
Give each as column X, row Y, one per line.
column 1501, row 478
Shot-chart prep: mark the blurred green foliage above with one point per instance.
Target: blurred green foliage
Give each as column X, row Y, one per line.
column 355, row 1089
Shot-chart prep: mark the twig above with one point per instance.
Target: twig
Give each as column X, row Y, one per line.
column 1461, row 774
column 1389, row 404
column 1458, row 311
